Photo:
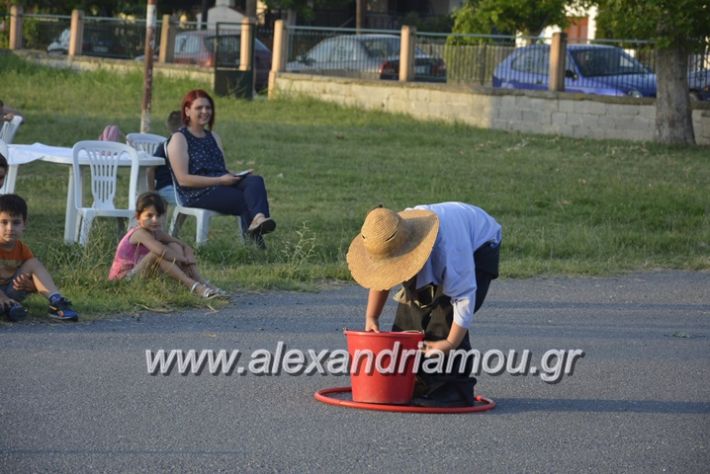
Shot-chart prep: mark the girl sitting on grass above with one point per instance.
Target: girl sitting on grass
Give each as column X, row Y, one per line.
column 146, row 248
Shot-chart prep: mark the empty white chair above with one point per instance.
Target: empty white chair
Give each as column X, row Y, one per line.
column 103, row 159
column 147, row 142
column 8, row 130
column 202, row 216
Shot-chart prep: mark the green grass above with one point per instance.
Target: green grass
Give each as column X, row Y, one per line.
column 567, row 206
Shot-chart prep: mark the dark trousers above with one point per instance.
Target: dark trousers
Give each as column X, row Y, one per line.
column 435, row 319
column 245, row 199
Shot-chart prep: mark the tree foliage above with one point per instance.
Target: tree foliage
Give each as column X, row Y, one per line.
column 683, row 24
column 100, row 7
column 509, row 16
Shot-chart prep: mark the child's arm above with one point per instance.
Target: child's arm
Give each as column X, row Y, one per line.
column 145, row 238
column 166, row 238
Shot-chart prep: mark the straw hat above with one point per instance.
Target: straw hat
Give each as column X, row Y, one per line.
column 392, row 247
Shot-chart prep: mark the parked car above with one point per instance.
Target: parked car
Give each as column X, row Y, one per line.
column 199, row 46
column 94, row 43
column 369, row 56
column 699, row 84
column 590, row 69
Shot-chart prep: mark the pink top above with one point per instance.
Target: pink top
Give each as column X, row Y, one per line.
column 127, row 256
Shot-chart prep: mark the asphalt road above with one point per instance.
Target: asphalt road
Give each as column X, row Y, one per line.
column 78, row 397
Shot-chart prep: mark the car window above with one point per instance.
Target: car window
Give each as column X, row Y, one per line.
column 322, row 52
column 534, row 60
column 381, row 48
column 606, row 62
column 226, row 44
column 343, row 50
column 187, row 44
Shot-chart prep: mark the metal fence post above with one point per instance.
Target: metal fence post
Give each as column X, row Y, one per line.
column 167, row 40
column 558, row 53
column 278, row 61
column 76, row 37
column 16, row 27
column 406, row 53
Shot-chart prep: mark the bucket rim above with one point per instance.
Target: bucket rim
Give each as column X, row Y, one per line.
column 386, row 334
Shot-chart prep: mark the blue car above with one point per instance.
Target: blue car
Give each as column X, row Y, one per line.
column 590, row 69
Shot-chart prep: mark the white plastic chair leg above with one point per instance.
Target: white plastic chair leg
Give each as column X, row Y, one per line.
column 202, row 230
column 86, row 224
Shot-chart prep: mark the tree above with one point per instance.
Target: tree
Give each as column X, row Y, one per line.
column 529, row 17
column 678, row 28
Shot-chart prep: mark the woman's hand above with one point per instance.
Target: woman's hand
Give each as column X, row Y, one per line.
column 229, row 179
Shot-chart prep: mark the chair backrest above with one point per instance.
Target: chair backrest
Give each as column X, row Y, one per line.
column 6, row 153
column 172, row 174
column 8, row 130
column 103, row 159
column 147, row 142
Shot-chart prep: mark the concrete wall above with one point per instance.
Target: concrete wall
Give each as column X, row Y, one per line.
column 91, row 63
column 572, row 115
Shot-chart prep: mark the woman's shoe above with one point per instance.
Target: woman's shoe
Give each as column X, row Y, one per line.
column 262, row 225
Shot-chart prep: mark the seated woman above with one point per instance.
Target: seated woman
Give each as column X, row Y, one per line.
column 202, row 179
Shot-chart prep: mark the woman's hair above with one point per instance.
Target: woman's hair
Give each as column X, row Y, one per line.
column 192, row 96
column 148, row 199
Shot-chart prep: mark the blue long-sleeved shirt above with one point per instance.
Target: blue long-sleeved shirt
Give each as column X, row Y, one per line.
column 463, row 229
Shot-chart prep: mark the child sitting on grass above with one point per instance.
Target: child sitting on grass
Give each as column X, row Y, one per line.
column 20, row 272
column 146, row 248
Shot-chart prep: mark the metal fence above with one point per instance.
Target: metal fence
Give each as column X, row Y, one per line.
column 607, row 67
column 363, row 54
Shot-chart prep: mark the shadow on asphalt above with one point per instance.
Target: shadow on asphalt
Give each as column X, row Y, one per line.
column 505, row 406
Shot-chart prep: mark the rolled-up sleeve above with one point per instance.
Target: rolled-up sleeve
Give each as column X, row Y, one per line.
column 459, row 284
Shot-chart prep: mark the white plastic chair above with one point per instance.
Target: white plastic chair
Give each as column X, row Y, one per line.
column 4, row 152
column 8, row 130
column 202, row 216
column 103, row 162
column 147, row 142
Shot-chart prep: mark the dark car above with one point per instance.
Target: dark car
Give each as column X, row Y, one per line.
column 590, row 69
column 699, row 84
column 198, row 47
column 369, row 56
column 94, row 43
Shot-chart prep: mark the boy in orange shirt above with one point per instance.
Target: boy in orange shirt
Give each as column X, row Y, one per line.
column 20, row 272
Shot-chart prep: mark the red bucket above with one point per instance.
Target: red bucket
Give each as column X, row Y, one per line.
column 382, row 365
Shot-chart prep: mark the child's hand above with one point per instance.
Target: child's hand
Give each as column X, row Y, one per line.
column 5, row 301
column 431, row 347
column 189, row 255
column 24, row 282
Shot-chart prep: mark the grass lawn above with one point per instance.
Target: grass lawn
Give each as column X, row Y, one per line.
column 567, row 206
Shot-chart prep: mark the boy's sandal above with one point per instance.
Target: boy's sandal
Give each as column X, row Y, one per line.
column 206, row 293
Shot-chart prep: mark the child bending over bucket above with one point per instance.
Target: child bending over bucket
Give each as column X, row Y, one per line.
column 444, row 256
column 146, row 248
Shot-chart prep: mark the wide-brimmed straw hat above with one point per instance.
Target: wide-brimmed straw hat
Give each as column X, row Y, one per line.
column 392, row 247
